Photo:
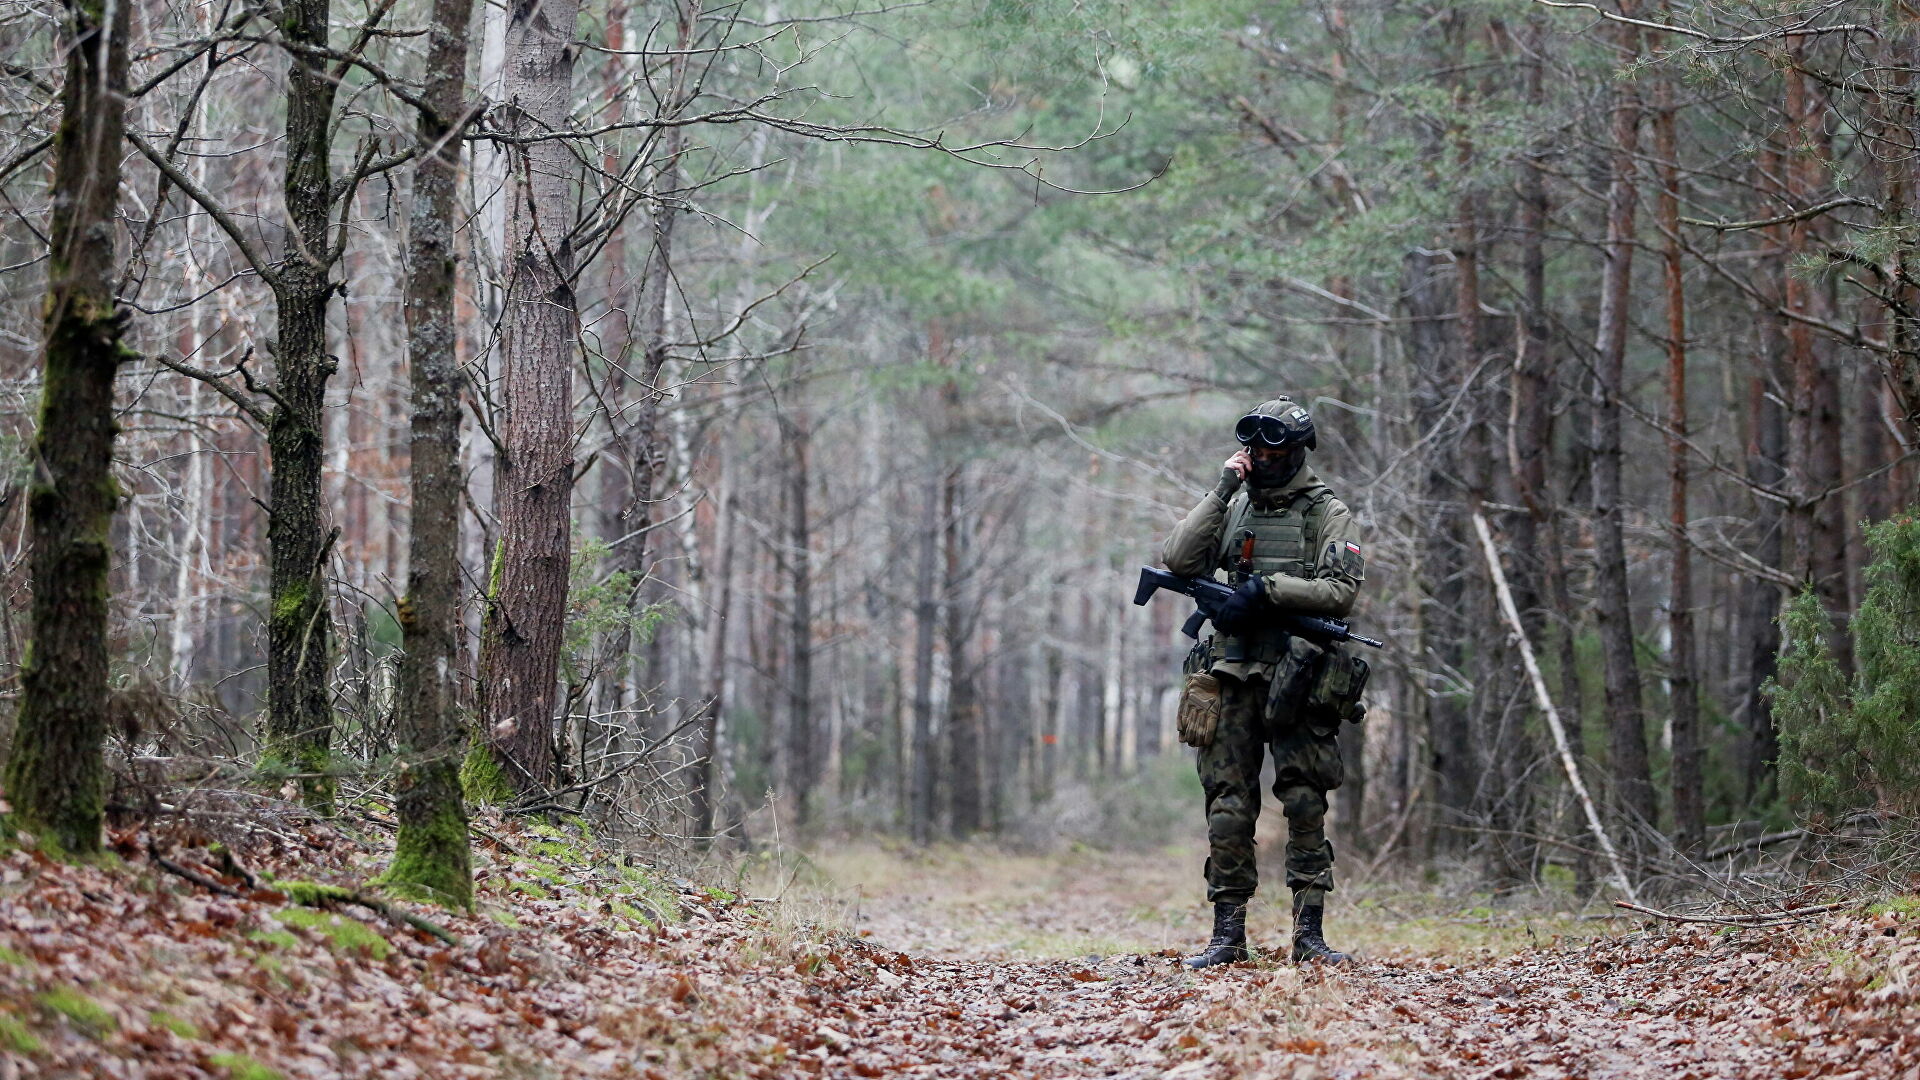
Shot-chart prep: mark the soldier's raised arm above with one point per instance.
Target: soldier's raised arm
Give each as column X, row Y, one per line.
column 1338, row 570
column 1193, row 545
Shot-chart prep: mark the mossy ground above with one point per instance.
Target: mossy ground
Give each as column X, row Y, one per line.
column 87, row 1015
column 242, row 1067
column 15, row 1037
column 345, row 932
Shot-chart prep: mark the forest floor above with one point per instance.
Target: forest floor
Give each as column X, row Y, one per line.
column 869, row 962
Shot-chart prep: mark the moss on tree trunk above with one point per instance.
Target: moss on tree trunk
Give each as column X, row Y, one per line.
column 432, row 855
column 56, row 777
column 299, row 647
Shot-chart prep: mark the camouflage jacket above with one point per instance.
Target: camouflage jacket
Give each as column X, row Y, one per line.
column 1196, row 545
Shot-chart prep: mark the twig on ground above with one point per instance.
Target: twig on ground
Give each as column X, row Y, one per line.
column 1764, row 918
column 202, row 880
column 310, row 894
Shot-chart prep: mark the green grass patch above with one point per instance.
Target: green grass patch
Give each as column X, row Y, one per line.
column 630, row 913
column 279, row 939
column 15, row 1037
column 343, row 931
column 184, row 1029
column 14, row 958
column 242, row 1067
column 528, row 888
column 558, row 852
column 505, row 918
column 545, row 873
column 85, row 1014
column 1906, row 906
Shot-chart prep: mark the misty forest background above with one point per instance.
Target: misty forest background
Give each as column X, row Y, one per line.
column 880, row 344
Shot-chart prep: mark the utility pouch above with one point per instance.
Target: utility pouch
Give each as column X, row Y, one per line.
column 1199, row 714
column 1294, row 674
column 1336, row 690
column 1199, row 658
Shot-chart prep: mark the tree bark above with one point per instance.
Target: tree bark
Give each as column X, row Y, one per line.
column 716, row 662
column 432, row 852
column 641, row 450
column 526, row 613
column 56, row 775
column 965, row 739
column 1442, row 565
column 1627, row 737
column 802, row 760
column 1689, row 808
column 926, row 608
column 299, row 634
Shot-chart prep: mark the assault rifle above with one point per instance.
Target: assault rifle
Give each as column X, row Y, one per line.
column 1208, row 594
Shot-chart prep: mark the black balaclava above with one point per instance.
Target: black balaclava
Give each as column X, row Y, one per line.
column 1278, row 470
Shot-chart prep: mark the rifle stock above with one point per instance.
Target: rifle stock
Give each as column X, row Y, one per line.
column 1207, row 593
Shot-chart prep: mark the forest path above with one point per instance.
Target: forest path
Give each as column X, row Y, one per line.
column 973, row 990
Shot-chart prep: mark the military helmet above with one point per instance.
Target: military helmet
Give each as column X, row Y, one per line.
column 1282, row 422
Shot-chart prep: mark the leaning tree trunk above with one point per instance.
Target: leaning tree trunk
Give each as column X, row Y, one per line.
column 526, row 612
column 432, row 851
column 56, row 777
column 1627, row 742
column 299, row 713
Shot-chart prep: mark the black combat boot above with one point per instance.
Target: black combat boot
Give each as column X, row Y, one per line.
column 1229, row 944
column 1309, row 945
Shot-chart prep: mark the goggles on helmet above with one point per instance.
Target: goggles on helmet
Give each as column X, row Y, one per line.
column 1264, row 430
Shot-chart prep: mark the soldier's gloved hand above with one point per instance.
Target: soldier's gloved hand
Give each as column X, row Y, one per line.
column 1237, row 613
column 1233, row 474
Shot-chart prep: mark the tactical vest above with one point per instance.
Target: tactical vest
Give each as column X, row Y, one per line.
column 1283, row 543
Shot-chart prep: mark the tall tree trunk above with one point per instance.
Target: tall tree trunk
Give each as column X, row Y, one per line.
column 526, row 613
column 716, row 660
column 965, row 742
column 641, row 450
column 1689, row 809
column 926, row 610
column 432, row 852
column 1627, row 741
column 1542, row 583
column 802, row 759
column 55, row 775
column 1820, row 531
column 299, row 638
column 1442, row 634
column 1760, row 598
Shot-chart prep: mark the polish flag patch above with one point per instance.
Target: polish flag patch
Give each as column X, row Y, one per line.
column 1353, row 548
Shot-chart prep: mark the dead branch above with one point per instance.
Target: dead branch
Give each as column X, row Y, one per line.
column 1765, row 918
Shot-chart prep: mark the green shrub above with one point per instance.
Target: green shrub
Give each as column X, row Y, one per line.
column 1850, row 744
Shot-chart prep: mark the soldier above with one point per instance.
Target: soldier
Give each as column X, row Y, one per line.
column 1286, row 543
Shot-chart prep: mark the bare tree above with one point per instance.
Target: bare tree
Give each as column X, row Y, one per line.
column 432, row 852
column 56, row 776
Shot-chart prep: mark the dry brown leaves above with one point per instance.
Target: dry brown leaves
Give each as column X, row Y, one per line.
column 129, row 972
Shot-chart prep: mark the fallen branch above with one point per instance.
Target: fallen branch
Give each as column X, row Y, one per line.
column 1725, row 850
column 310, row 894
column 1545, row 701
column 1766, row 918
column 202, row 880
column 313, row 894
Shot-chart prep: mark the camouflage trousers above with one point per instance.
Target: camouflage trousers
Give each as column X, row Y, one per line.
column 1306, row 765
